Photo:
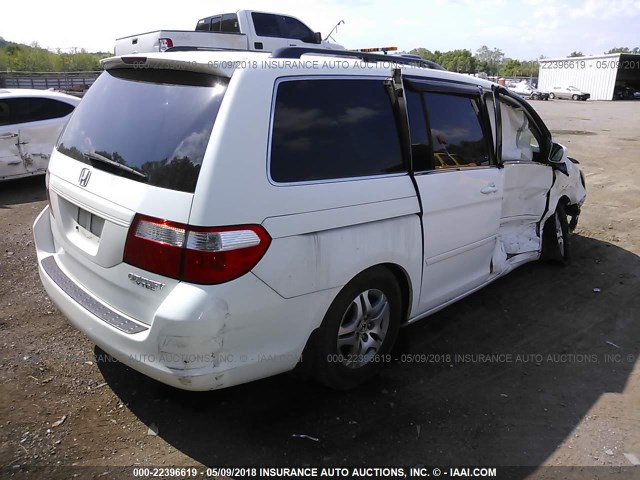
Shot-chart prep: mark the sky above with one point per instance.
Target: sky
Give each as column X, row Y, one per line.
column 522, row 29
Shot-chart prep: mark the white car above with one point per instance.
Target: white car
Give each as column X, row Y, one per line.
column 527, row 91
column 30, row 122
column 211, row 224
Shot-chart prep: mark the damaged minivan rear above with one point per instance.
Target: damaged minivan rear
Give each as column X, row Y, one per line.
column 219, row 217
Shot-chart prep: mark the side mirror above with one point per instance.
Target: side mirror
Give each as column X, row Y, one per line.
column 317, row 37
column 557, row 152
column 555, row 158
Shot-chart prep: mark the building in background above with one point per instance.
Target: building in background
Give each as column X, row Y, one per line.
column 603, row 76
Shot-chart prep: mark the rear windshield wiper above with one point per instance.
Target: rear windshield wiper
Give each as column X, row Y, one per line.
column 101, row 158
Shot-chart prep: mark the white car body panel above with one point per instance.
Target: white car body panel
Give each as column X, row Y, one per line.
column 25, row 148
column 454, row 202
column 445, row 236
column 150, row 41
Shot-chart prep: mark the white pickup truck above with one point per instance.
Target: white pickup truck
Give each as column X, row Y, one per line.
column 243, row 30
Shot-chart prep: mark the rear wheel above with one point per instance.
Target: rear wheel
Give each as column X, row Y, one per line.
column 555, row 237
column 359, row 330
column 552, row 96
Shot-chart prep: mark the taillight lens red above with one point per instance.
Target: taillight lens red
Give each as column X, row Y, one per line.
column 204, row 255
column 165, row 44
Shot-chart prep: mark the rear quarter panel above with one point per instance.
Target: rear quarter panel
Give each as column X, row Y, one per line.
column 324, row 233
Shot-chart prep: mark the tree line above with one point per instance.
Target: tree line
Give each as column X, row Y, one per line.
column 17, row 57
column 492, row 61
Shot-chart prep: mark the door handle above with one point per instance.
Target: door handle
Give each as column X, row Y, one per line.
column 6, row 136
column 491, row 188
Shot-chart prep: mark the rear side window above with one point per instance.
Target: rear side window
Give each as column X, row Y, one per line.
column 332, row 129
column 203, row 25
column 229, row 23
column 457, row 136
column 148, row 125
column 31, row 109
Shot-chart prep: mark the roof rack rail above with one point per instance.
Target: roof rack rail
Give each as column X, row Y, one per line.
column 297, row 52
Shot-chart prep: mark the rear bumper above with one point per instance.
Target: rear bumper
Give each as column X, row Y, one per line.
column 201, row 338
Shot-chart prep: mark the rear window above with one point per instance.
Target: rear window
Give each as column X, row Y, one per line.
column 151, row 126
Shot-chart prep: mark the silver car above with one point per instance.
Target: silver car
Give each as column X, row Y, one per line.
column 569, row 93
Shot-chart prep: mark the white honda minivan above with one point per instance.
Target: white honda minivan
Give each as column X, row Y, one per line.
column 219, row 217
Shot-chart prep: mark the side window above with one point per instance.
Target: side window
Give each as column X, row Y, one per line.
column 520, row 138
column 229, row 23
column 331, row 129
column 419, row 132
column 266, row 24
column 456, row 132
column 6, row 113
column 203, row 25
column 24, row 110
column 292, row 28
column 215, row 23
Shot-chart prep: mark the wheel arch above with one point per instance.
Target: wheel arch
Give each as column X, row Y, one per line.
column 406, row 290
column 304, row 370
column 401, row 275
column 562, row 199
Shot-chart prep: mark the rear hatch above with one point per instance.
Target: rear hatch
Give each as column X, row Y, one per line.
column 131, row 151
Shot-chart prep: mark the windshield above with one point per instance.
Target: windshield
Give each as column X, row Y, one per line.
column 150, row 126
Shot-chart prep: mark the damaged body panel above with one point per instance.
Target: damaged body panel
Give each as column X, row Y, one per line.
column 30, row 122
column 534, row 185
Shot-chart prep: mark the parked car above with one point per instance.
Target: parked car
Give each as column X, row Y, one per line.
column 626, row 93
column 571, row 93
column 30, row 122
column 527, row 91
column 209, row 225
column 241, row 30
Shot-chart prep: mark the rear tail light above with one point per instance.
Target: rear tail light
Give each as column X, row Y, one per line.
column 165, row 44
column 194, row 254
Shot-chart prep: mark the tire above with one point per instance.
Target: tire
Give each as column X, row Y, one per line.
column 575, row 97
column 552, row 96
column 358, row 331
column 535, row 97
column 555, row 237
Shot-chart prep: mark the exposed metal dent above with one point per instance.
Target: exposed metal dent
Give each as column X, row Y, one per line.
column 519, row 238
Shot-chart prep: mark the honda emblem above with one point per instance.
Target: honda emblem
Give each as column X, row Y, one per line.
column 85, row 175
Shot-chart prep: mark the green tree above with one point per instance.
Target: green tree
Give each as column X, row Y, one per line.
column 424, row 53
column 624, row 50
column 33, row 58
column 454, row 60
column 511, row 68
column 576, row 53
column 488, row 60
